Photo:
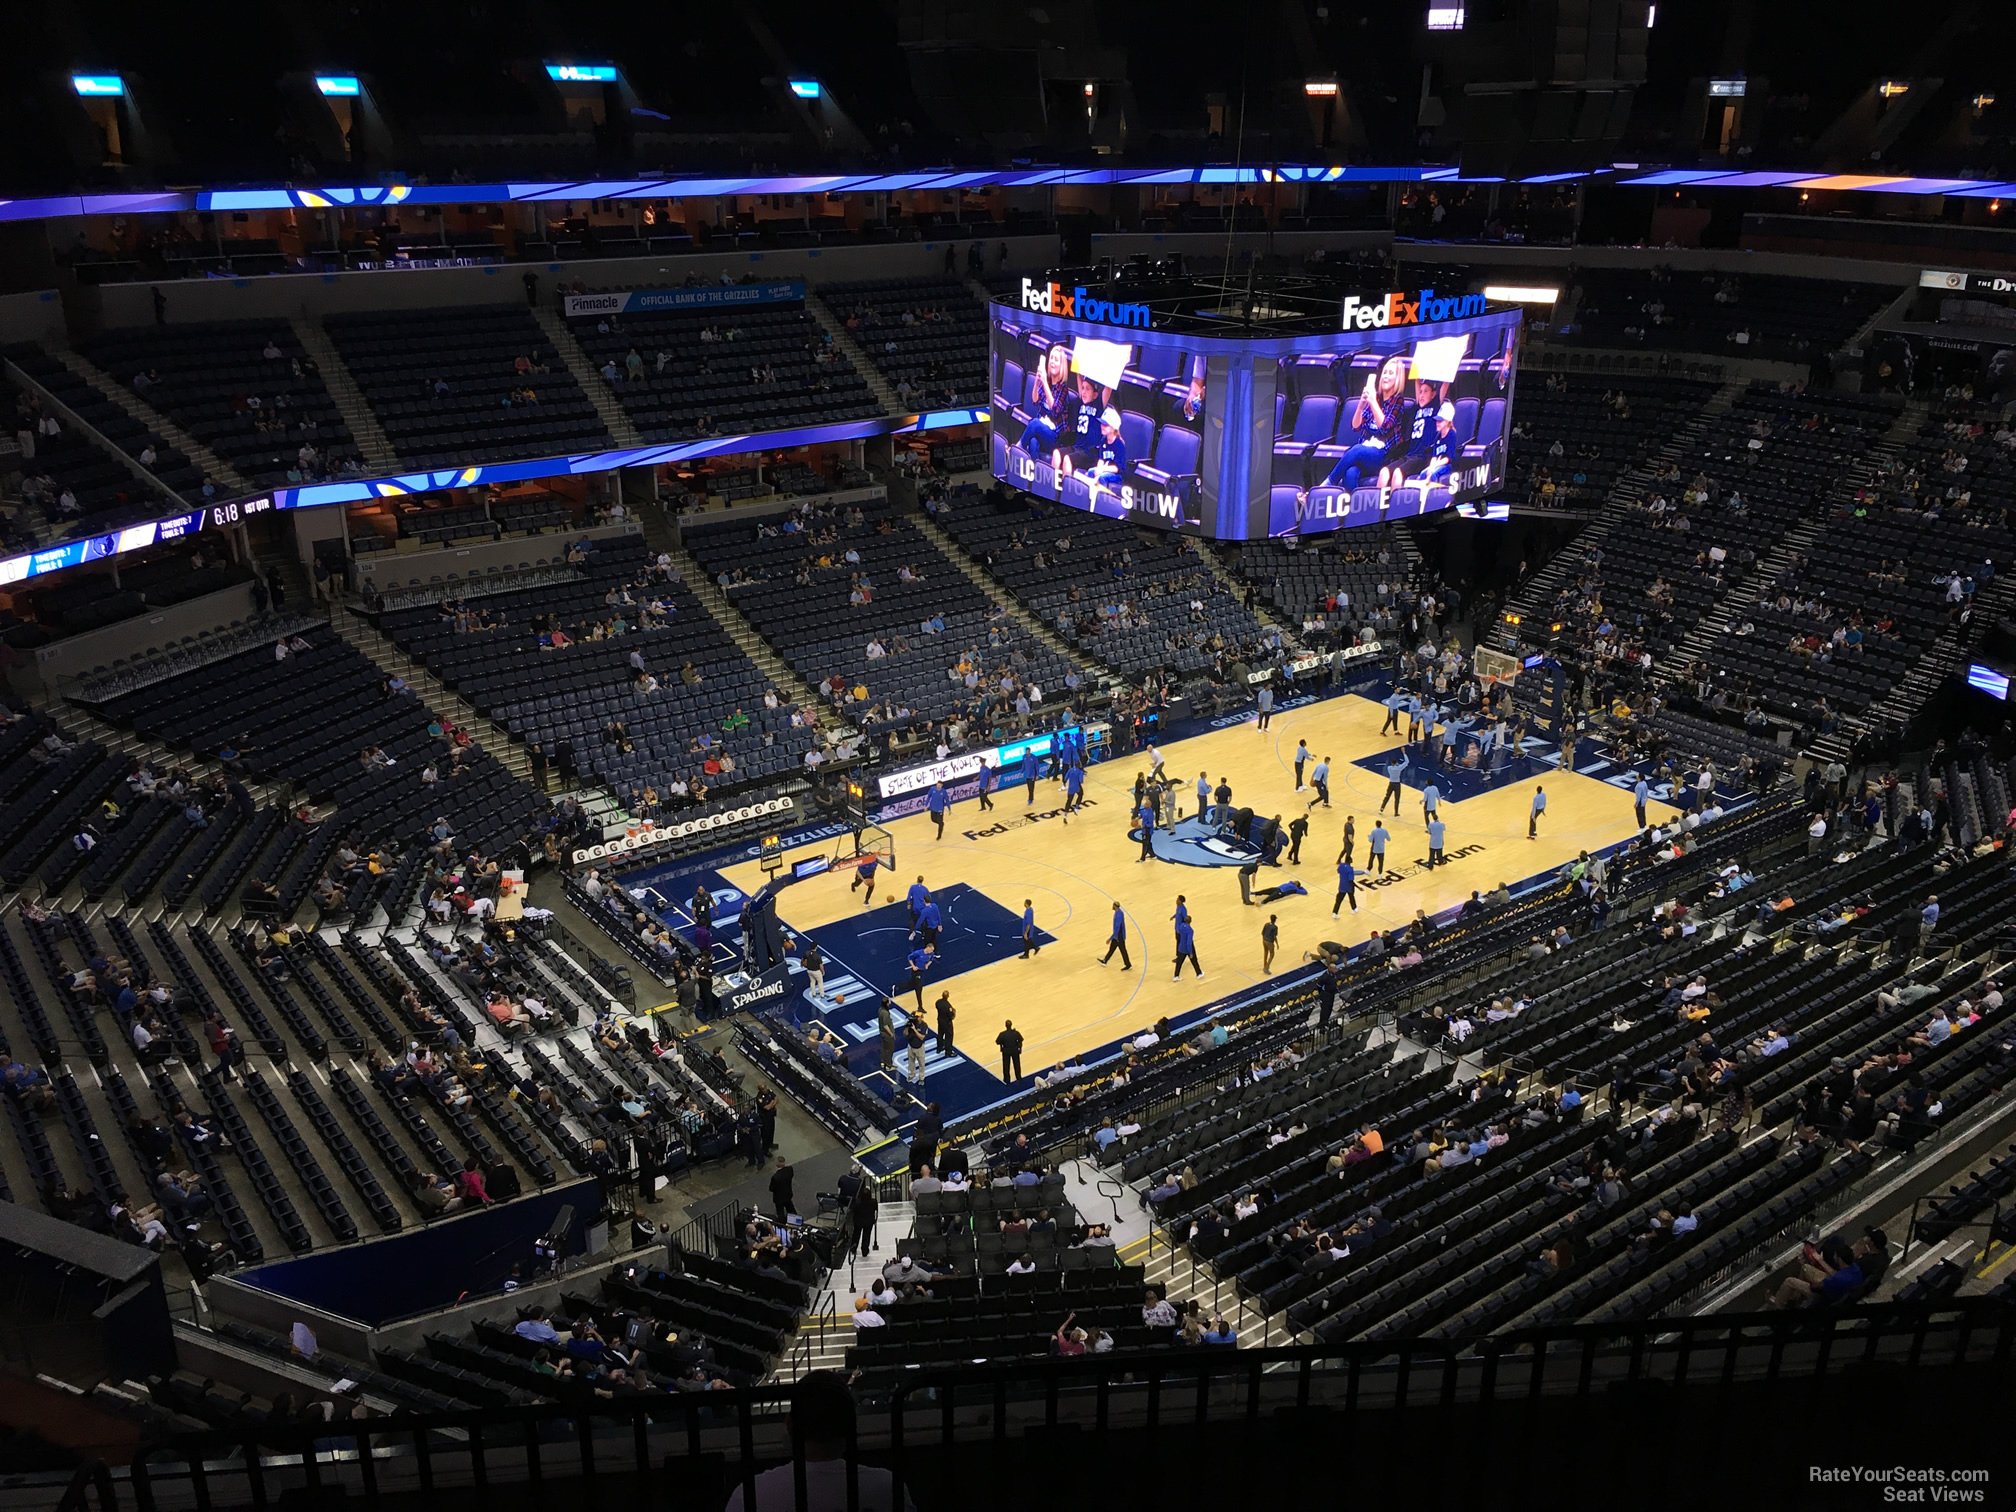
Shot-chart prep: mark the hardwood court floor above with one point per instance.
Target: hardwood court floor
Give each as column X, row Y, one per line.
column 1064, row 1001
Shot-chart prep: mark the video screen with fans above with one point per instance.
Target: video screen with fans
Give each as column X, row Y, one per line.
column 1395, row 422
column 1102, row 419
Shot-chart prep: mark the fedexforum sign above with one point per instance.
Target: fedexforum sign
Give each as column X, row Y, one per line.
column 1401, row 309
column 1081, row 304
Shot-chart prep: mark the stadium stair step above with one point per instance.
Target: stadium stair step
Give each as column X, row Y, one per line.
column 1534, row 600
column 431, row 691
column 82, row 724
column 1020, row 613
column 833, row 326
column 214, row 466
column 607, row 405
column 1993, row 605
column 1732, row 606
column 46, row 530
column 1257, row 603
column 660, row 536
column 365, row 430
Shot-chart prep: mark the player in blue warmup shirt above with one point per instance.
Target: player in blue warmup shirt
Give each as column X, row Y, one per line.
column 1539, row 808
column 1347, row 888
column 1145, row 817
column 1186, row 950
column 1436, row 830
column 1319, row 778
column 1395, row 702
column 1395, row 770
column 864, row 878
column 1032, row 764
column 1431, row 802
column 1074, row 788
column 986, row 784
column 935, row 801
column 1639, row 794
column 1376, row 844
column 921, row 960
column 1030, row 944
column 917, row 897
column 929, row 923
column 1116, row 939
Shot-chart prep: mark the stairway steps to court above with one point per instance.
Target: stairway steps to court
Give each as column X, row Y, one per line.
column 350, row 403
column 593, row 384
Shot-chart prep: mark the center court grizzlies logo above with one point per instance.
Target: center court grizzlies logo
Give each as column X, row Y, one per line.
column 1191, row 842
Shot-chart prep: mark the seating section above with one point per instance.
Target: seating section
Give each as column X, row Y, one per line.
column 842, row 1102
column 446, row 387
column 469, row 1045
column 707, row 1325
column 1960, row 466
column 1481, row 1210
column 712, row 701
column 102, row 487
column 1132, row 600
column 1855, row 613
column 723, row 372
column 325, row 720
column 1701, row 526
column 1603, row 428
column 927, row 337
column 821, row 611
column 1329, row 585
column 245, row 389
column 1746, row 315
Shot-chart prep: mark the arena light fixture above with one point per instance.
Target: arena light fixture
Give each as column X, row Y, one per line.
column 340, row 85
column 1320, row 89
column 805, row 89
column 1445, row 18
column 581, row 73
column 1521, row 293
column 99, row 86
column 1890, row 89
column 1728, row 89
column 1982, row 102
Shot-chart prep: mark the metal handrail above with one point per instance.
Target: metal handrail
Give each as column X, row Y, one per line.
column 92, row 1475
column 827, row 1316
column 254, row 1464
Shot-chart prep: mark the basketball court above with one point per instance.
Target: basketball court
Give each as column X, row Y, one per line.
column 1073, row 869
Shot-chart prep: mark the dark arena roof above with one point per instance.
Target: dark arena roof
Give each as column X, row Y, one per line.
column 863, row 756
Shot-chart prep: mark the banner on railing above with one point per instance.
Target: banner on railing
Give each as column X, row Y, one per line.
column 703, row 297
column 639, row 836
column 1302, row 665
